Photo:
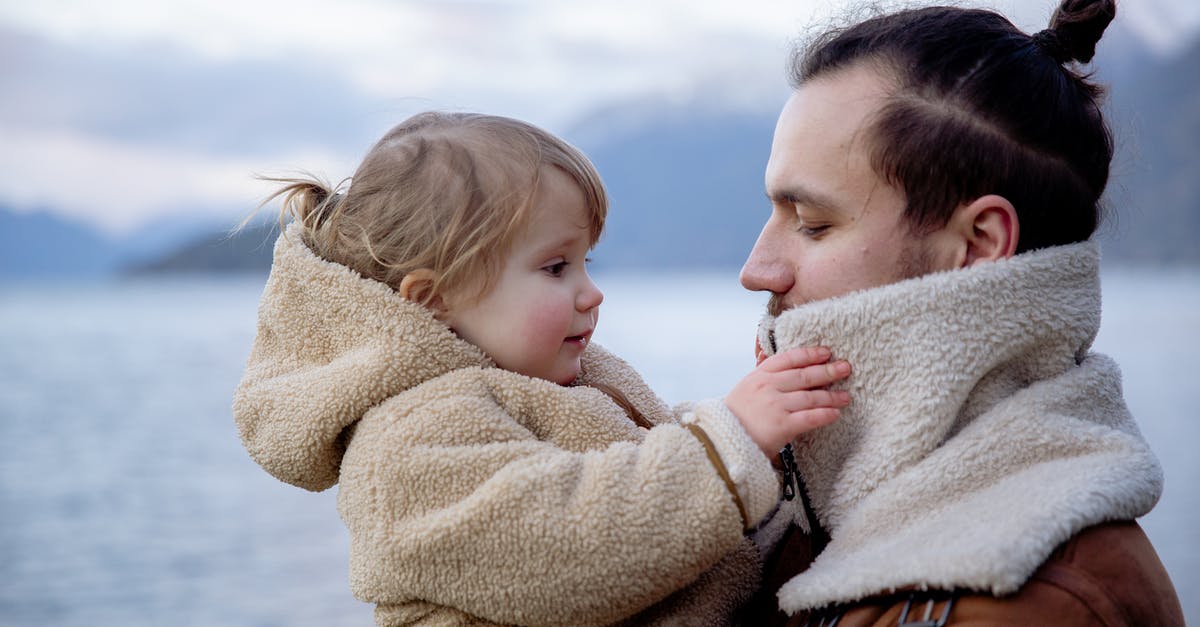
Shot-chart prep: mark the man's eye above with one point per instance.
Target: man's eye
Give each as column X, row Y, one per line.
column 555, row 269
column 812, row 231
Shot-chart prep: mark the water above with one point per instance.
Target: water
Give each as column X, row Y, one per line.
column 126, row 498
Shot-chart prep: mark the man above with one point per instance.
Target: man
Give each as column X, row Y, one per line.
column 935, row 178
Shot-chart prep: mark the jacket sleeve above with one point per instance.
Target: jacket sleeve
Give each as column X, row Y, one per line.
column 748, row 473
column 462, row 500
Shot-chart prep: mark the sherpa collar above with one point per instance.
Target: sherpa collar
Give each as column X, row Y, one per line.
column 981, row 434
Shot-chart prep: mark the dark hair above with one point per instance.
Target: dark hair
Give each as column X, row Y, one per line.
column 982, row 108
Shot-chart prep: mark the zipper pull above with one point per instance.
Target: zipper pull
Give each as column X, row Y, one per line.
column 789, row 472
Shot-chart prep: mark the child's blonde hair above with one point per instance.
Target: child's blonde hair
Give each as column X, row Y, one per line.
column 442, row 191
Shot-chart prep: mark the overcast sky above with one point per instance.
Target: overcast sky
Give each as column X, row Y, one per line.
column 117, row 112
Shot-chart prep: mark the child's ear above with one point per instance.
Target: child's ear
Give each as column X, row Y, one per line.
column 417, row 286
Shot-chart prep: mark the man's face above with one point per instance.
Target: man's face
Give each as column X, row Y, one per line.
column 836, row 226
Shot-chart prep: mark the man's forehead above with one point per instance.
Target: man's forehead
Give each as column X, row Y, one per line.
column 822, row 135
column 836, row 107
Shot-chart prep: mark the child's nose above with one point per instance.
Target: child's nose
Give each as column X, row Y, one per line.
column 589, row 297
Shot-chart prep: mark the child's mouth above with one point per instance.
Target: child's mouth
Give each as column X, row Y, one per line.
column 581, row 339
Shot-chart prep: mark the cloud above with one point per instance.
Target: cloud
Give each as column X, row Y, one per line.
column 130, row 110
column 180, row 101
column 159, row 97
column 120, row 186
column 1165, row 25
column 120, row 135
column 546, row 60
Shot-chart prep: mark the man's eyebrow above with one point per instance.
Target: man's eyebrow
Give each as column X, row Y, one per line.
column 801, row 196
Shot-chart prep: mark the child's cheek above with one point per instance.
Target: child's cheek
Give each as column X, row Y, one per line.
column 545, row 324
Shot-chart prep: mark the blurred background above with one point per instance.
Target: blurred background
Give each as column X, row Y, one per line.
column 130, row 134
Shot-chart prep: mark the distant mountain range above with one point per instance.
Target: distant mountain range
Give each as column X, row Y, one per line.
column 686, row 188
column 1154, row 192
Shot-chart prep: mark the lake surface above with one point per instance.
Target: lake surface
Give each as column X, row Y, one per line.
column 127, row 499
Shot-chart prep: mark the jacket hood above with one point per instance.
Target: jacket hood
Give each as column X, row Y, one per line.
column 330, row 346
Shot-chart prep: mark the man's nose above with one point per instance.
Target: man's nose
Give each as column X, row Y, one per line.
column 765, row 269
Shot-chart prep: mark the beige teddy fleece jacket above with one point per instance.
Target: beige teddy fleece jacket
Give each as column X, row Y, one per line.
column 982, row 434
column 477, row 495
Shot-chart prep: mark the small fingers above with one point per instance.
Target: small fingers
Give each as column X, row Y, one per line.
column 815, row 399
column 797, row 358
column 812, row 377
column 804, row 421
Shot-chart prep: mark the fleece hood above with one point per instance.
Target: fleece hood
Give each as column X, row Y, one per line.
column 330, row 346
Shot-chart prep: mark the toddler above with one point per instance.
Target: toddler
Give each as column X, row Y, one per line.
column 424, row 340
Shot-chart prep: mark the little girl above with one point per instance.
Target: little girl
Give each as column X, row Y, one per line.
column 424, row 339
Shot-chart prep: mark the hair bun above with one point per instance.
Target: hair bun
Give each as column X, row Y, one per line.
column 1051, row 45
column 1075, row 29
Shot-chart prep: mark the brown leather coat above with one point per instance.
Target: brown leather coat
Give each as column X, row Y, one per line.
column 1108, row 574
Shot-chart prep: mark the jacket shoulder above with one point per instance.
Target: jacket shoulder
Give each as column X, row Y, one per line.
column 1114, row 571
column 1108, row 574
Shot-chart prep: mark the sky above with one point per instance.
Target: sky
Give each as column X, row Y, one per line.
column 122, row 112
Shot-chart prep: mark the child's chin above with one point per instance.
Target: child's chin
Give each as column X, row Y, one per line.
column 568, row 377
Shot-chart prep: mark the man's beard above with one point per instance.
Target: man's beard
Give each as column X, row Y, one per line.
column 775, row 305
column 915, row 260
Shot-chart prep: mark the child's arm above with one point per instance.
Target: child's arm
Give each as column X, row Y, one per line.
column 462, row 502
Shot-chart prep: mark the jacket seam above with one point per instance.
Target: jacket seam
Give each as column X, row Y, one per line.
column 722, row 471
column 1089, row 592
column 620, row 400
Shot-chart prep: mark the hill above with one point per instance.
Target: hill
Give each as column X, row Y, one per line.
column 685, row 188
column 1154, row 194
column 245, row 250
column 38, row 243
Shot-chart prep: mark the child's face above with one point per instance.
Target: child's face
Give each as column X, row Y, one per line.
column 540, row 313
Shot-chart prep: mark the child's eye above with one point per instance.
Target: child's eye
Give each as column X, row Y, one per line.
column 555, row 269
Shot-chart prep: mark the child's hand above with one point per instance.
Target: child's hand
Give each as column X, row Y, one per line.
column 784, row 397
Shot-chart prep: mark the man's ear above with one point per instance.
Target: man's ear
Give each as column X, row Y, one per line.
column 987, row 230
column 417, row 286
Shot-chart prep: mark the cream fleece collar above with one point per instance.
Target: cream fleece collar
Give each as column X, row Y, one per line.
column 982, row 433
column 330, row 346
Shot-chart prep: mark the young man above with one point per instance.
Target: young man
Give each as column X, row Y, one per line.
column 934, row 179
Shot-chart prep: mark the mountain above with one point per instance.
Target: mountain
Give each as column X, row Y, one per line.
column 1154, row 193
column 42, row 244
column 162, row 237
column 39, row 243
column 243, row 250
column 685, row 188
